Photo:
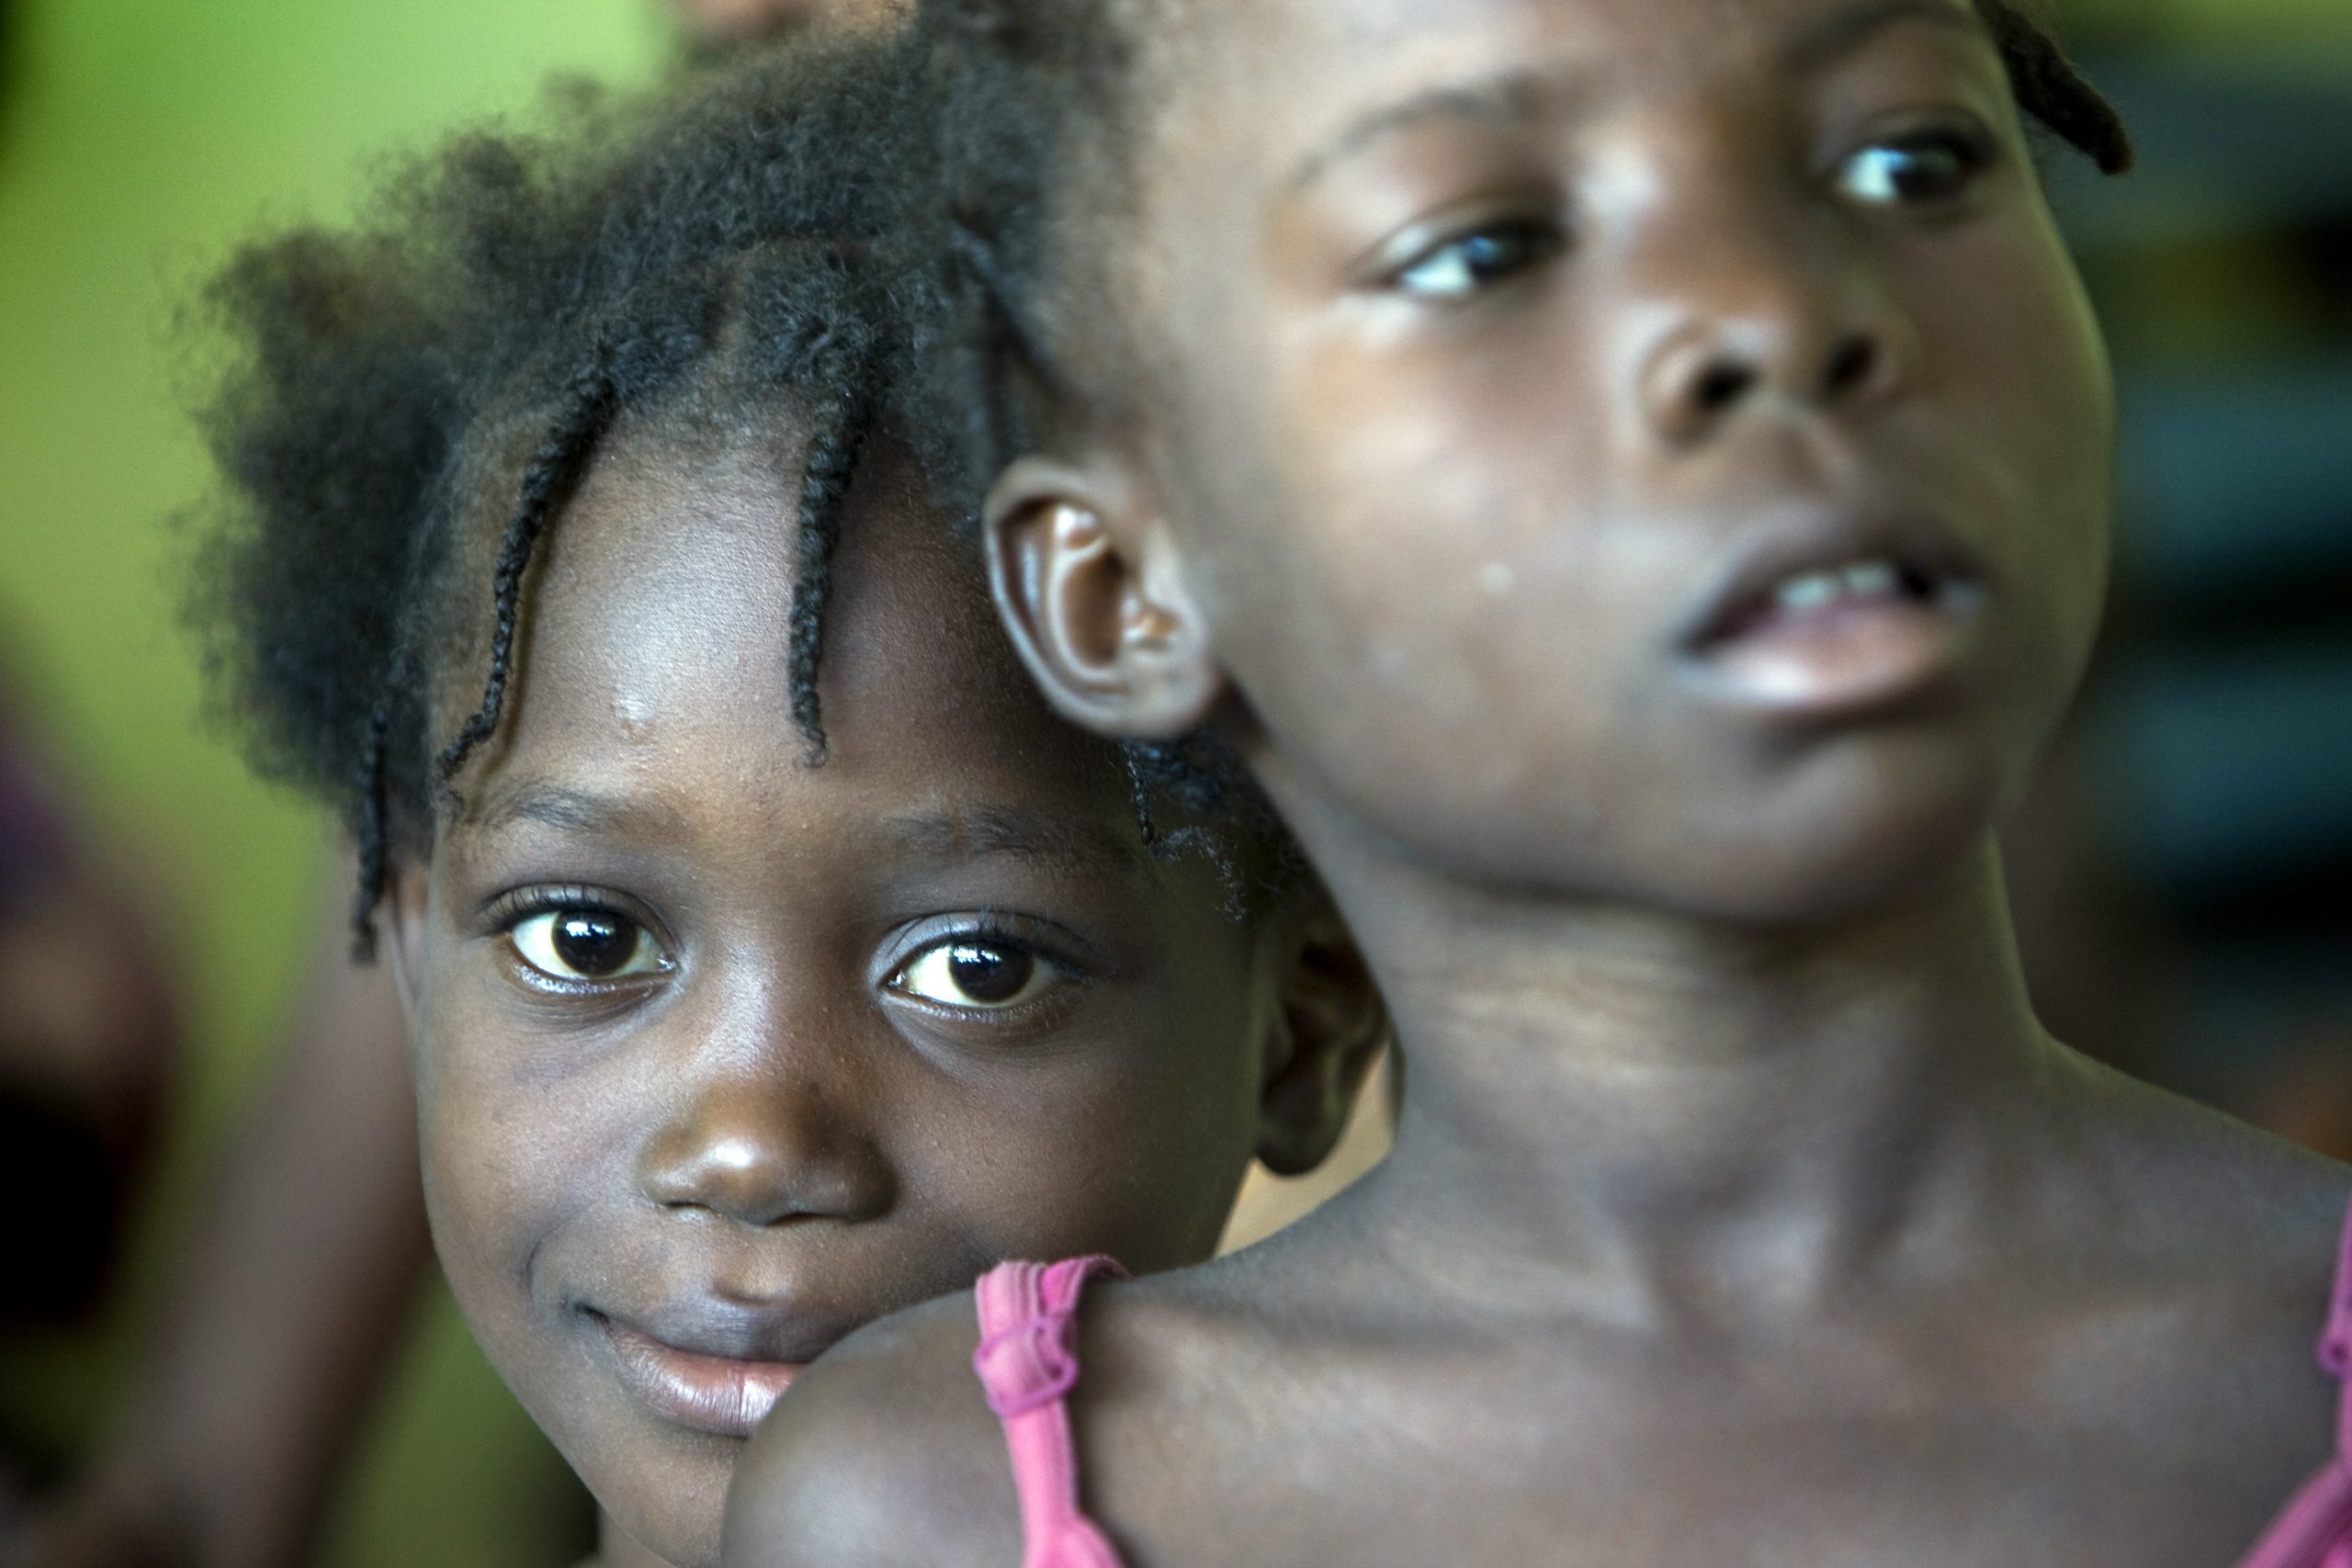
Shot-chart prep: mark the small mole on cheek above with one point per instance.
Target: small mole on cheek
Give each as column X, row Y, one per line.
column 1497, row 578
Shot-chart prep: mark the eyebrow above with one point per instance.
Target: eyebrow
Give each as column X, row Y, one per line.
column 1520, row 94
column 1506, row 97
column 980, row 831
column 574, row 811
column 1838, row 33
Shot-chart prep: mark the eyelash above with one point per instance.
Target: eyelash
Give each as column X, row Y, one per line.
column 988, row 934
column 1537, row 240
column 1516, row 245
column 511, row 911
column 1973, row 154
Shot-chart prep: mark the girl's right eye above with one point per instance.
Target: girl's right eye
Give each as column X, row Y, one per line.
column 1467, row 263
column 576, row 946
column 977, row 973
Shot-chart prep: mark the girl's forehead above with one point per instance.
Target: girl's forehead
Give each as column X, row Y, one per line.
column 1362, row 57
column 1350, row 30
column 652, row 660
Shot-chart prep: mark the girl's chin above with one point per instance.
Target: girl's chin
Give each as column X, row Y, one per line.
column 1840, row 878
column 1840, row 871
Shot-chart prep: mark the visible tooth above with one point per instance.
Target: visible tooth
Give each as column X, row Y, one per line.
column 1873, row 579
column 1810, row 592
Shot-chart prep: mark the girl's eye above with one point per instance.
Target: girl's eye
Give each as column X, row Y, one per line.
column 1915, row 172
column 587, row 944
column 1467, row 263
column 975, row 973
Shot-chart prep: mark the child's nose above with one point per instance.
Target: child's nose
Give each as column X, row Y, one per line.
column 764, row 1147
column 1756, row 321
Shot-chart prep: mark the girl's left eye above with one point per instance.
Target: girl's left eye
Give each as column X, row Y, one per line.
column 978, row 972
column 586, row 945
column 1913, row 171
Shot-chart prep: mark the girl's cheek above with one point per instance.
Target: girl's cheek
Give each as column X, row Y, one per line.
column 491, row 1150
column 1111, row 1147
column 2032, row 387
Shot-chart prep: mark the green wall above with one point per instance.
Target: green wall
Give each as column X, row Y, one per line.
column 2191, row 23
column 141, row 139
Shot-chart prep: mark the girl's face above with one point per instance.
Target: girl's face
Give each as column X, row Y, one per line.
column 1655, row 449
column 722, row 1055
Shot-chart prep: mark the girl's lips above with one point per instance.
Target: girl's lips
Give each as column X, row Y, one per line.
column 1842, row 657
column 702, row 1392
column 1830, row 615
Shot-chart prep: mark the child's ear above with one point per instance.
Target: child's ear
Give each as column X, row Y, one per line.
column 1096, row 603
column 1332, row 1025
column 401, row 918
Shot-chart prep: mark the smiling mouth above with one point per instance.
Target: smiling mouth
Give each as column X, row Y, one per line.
column 726, row 1395
column 1838, row 631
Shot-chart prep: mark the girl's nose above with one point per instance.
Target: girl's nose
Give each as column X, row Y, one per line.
column 1755, row 322
column 764, row 1145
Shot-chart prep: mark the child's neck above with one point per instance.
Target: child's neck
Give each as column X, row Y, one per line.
column 615, row 1547
column 1615, row 1110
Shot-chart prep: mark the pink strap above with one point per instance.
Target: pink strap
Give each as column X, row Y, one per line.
column 2335, row 1345
column 2316, row 1529
column 1028, row 1363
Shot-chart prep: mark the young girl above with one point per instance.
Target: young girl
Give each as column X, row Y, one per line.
column 773, row 958
column 1632, row 477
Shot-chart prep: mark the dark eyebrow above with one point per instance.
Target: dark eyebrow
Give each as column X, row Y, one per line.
column 1506, row 97
column 1831, row 37
column 1518, row 95
column 1061, row 844
column 573, row 811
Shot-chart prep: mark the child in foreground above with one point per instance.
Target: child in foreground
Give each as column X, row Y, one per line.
column 1632, row 477
column 773, row 957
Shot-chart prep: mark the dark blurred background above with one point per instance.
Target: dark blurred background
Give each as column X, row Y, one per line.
column 2181, row 878
column 2184, row 880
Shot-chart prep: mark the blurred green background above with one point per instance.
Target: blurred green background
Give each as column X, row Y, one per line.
column 139, row 138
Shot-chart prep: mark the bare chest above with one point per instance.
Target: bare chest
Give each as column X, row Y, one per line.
column 1625, row 1466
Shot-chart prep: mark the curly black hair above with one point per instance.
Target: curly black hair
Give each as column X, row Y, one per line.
column 500, row 303
column 1038, row 121
column 739, row 240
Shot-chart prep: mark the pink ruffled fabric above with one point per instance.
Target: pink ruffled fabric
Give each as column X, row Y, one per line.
column 1028, row 1363
column 2316, row 1529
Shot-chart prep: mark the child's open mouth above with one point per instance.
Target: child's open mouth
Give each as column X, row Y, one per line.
column 1854, row 618
column 703, row 1387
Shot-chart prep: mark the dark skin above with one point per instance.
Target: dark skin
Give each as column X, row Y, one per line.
column 730, row 1053
column 1741, row 1211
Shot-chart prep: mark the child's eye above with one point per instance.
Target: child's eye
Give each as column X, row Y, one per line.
column 1461, row 265
column 587, row 944
column 1913, row 171
column 976, row 972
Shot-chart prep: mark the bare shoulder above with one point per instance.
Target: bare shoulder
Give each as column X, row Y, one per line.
column 885, row 1452
column 2234, row 1189
column 2238, row 1235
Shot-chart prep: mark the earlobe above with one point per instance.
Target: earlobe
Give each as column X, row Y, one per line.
column 1332, row 1025
column 1102, row 616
